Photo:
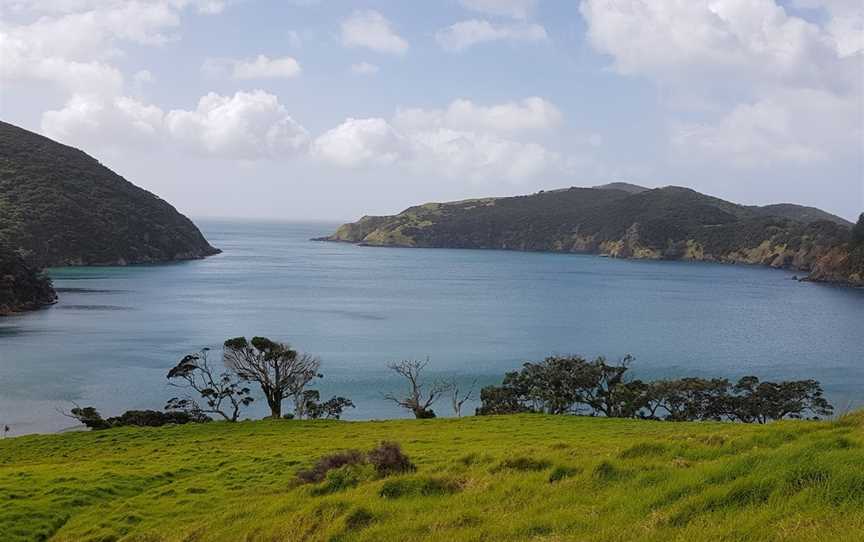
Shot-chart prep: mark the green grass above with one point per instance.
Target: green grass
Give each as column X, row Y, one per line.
column 527, row 477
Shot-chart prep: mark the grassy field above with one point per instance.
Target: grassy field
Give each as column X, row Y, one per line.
column 526, row 477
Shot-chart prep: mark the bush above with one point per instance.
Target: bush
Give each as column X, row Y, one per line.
column 387, row 458
column 90, row 417
column 330, row 462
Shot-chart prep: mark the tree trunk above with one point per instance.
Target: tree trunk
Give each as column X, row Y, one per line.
column 275, row 405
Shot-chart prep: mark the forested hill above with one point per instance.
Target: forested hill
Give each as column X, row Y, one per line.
column 60, row 206
column 21, row 287
column 628, row 221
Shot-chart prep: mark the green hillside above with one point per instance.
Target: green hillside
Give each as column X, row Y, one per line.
column 59, row 206
column 625, row 221
column 525, row 477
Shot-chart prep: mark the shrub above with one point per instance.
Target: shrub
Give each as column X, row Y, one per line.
column 387, row 458
column 330, row 462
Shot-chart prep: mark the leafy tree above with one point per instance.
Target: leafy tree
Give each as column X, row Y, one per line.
column 222, row 394
column 564, row 385
column 761, row 402
column 280, row 371
column 688, row 399
column 330, row 409
column 418, row 401
column 507, row 398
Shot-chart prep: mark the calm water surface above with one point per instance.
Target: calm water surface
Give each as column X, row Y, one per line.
column 116, row 331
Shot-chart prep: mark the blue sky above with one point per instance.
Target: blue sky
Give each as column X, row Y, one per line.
column 323, row 109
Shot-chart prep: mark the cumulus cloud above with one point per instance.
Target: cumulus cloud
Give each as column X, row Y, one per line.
column 462, row 141
column 798, row 127
column 775, row 88
column 370, row 29
column 465, row 34
column 364, row 68
column 71, row 43
column 92, row 120
column 358, row 142
column 515, row 9
column 248, row 125
column 260, row 67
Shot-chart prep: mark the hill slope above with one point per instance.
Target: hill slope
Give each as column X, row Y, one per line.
column 527, row 477
column 21, row 287
column 663, row 223
column 60, row 206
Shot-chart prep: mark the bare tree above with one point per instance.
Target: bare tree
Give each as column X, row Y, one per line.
column 417, row 401
column 457, row 398
column 215, row 390
column 280, row 371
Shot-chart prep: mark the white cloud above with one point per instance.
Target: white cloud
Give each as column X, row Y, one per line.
column 264, row 67
column 71, row 43
column 260, row 67
column 463, row 141
column 248, row 125
column 364, row 68
column 360, row 142
column 774, row 88
column 245, row 126
column 89, row 120
column 464, row 34
column 516, row 9
column 372, row 30
column 509, row 118
column 799, row 127
column 756, row 40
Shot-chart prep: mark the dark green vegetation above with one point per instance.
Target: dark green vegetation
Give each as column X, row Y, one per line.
column 91, row 418
column 21, row 287
column 59, row 206
column 571, row 385
column 523, row 477
column 627, row 221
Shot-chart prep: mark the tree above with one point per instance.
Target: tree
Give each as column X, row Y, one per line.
column 417, row 401
column 280, row 371
column 331, row 409
column 222, row 394
column 761, row 402
column 458, row 398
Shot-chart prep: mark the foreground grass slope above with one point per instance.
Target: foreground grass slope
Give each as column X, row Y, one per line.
column 527, row 477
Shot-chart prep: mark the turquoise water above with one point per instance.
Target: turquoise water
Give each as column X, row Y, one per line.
column 476, row 314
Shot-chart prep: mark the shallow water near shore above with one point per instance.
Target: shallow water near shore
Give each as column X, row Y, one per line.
column 116, row 331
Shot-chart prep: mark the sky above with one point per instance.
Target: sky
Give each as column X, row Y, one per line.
column 305, row 109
